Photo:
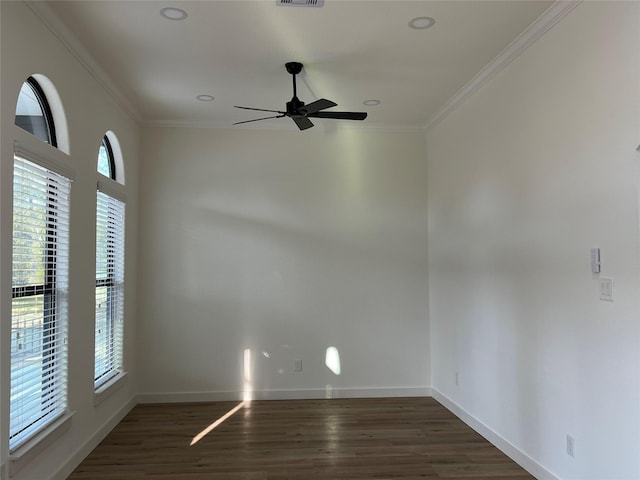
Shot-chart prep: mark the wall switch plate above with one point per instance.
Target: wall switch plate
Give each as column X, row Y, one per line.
column 297, row 365
column 606, row 289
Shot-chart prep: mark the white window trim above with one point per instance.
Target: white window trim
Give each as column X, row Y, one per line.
column 112, row 188
column 111, row 386
column 43, row 154
column 26, row 453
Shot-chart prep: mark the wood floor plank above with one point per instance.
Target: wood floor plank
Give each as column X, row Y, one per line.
column 338, row 439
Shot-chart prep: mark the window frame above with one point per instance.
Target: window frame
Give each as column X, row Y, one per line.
column 47, row 113
column 44, row 144
column 114, row 294
column 112, row 191
column 110, row 157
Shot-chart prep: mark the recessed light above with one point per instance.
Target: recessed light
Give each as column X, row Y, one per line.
column 420, row 23
column 205, row 98
column 173, row 13
column 371, row 103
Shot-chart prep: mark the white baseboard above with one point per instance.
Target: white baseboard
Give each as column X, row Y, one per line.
column 517, row 455
column 310, row 393
column 92, row 442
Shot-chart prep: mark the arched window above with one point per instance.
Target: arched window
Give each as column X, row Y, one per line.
column 33, row 113
column 40, row 264
column 106, row 162
column 109, row 311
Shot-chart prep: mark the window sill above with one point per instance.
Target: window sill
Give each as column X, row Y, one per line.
column 26, row 452
column 108, row 388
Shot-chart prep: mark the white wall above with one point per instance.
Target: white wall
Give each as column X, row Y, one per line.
column 535, row 169
column 27, row 48
column 287, row 243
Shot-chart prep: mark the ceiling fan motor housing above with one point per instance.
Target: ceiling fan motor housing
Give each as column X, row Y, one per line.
column 293, row 107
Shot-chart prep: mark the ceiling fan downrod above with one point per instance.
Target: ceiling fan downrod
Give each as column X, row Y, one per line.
column 294, row 68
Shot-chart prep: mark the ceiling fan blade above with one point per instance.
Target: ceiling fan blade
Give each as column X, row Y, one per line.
column 258, row 119
column 340, row 115
column 316, row 106
column 302, row 122
column 259, row 109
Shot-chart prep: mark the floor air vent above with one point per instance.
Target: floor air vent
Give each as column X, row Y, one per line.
column 300, row 3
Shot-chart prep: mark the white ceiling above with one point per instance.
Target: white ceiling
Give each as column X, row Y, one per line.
column 353, row 50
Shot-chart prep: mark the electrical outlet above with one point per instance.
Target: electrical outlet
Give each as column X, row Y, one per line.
column 571, row 446
column 457, row 379
column 297, row 365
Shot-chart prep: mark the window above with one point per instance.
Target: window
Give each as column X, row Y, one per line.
column 39, row 299
column 33, row 113
column 106, row 163
column 40, row 252
column 110, row 217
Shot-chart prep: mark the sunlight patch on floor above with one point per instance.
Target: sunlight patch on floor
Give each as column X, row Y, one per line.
column 219, row 421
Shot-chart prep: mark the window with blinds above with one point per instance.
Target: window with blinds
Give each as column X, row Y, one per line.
column 109, row 288
column 39, row 299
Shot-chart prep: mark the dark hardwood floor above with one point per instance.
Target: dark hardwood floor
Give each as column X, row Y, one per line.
column 382, row 439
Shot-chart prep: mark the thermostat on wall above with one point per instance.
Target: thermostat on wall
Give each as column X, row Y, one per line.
column 595, row 260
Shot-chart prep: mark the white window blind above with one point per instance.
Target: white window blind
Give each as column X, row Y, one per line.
column 39, row 299
column 109, row 288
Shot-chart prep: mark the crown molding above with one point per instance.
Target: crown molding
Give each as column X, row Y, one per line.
column 49, row 18
column 528, row 37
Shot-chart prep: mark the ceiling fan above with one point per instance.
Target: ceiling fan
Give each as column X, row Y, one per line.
column 299, row 112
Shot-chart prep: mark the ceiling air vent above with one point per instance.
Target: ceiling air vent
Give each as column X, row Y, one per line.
column 300, row 3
